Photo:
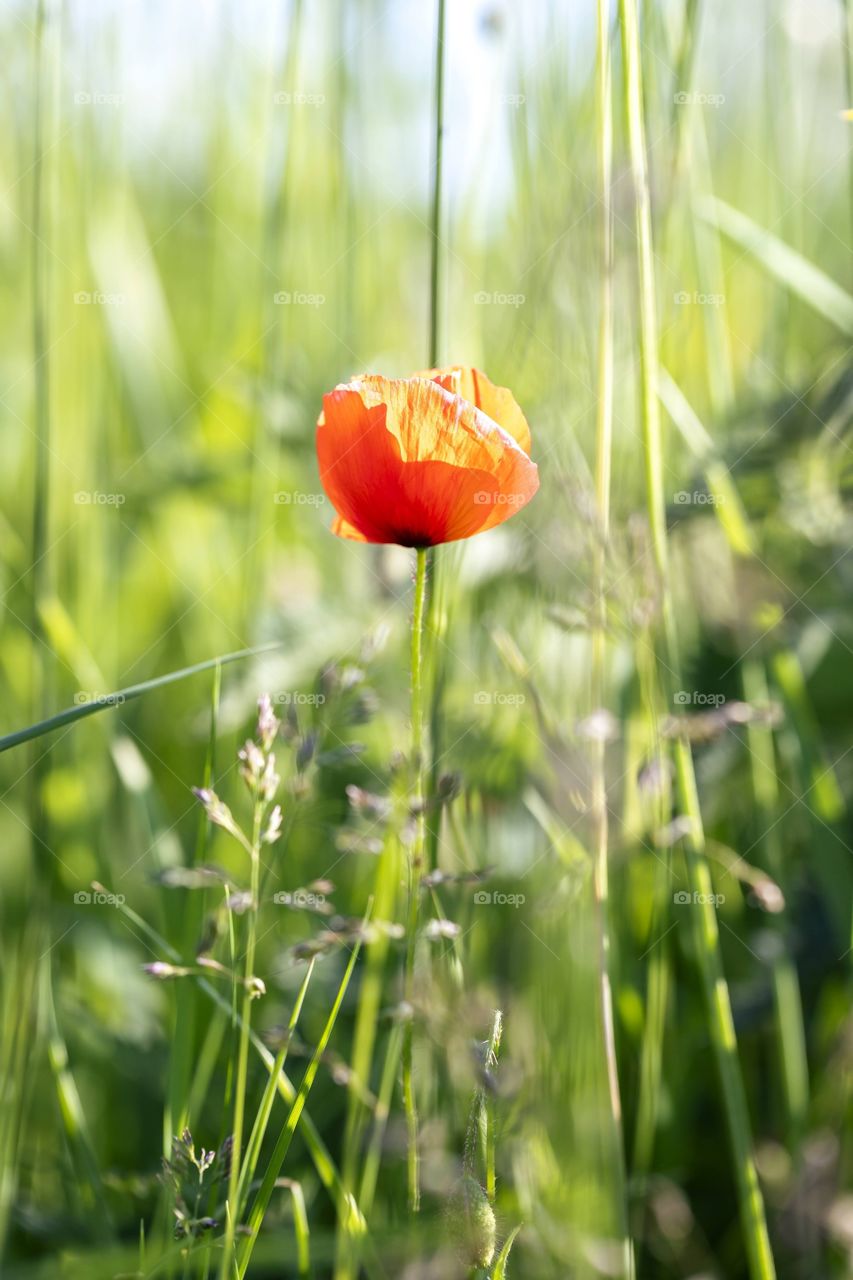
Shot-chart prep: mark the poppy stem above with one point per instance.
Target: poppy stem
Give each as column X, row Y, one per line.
column 416, row 869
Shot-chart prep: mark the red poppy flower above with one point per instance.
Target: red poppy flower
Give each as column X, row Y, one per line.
column 423, row 460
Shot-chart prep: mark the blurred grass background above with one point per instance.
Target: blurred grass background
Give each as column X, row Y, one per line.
column 212, row 214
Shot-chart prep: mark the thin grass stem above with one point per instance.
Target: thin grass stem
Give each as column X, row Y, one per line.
column 603, row 464
column 716, row 992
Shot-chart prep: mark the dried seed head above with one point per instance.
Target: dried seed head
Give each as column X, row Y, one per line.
column 268, row 722
column 599, row 726
column 471, row 1223
column 252, row 763
column 273, row 827
column 269, row 780
column 216, row 810
column 160, row 969
column 437, row 930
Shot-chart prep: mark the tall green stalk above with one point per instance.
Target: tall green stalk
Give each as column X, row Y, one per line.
column 435, row 212
column 232, row 1205
column 716, row 992
column 435, row 624
column 416, row 870
column 604, row 448
column 39, row 568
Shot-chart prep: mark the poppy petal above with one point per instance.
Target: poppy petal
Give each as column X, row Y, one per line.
column 407, row 461
column 498, row 403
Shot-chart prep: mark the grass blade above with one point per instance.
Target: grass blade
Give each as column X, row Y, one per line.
column 117, row 699
column 327, row 1170
column 259, row 1128
column 261, row 1202
column 717, row 999
column 499, row 1268
column 782, row 262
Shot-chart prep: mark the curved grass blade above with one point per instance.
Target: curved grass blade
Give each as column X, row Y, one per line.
column 261, row 1202
column 499, row 1269
column 782, row 262
column 729, row 508
column 327, row 1170
column 301, row 1229
column 716, row 993
column 117, row 699
column 259, row 1128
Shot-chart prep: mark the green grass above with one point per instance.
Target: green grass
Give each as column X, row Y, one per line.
column 655, row 199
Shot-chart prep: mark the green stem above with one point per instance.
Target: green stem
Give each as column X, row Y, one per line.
column 604, row 449
column 232, row 1205
column 416, row 870
column 435, row 218
column 715, row 988
column 434, row 622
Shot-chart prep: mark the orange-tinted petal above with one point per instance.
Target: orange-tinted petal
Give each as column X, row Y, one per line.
column 406, row 461
column 497, row 402
column 343, row 529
